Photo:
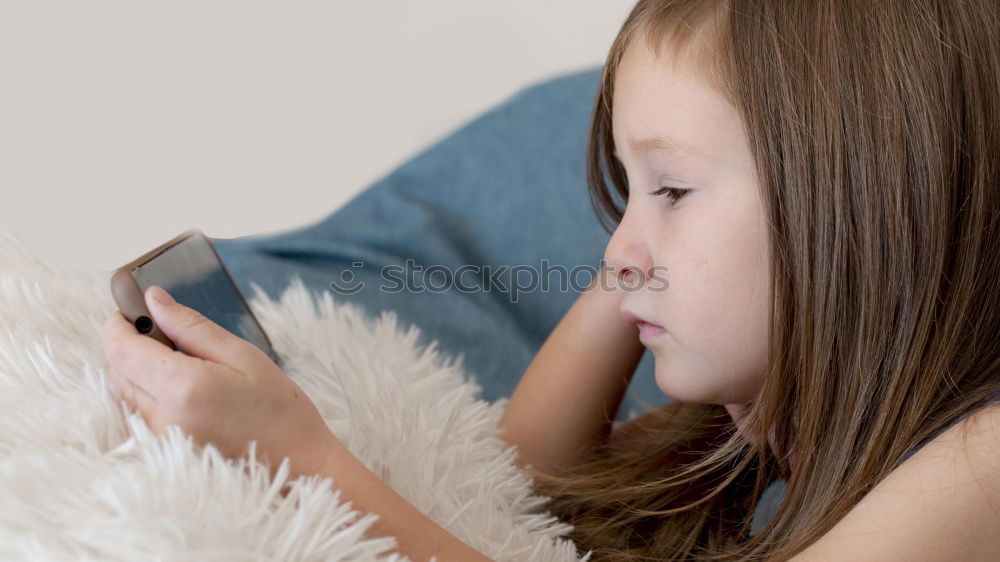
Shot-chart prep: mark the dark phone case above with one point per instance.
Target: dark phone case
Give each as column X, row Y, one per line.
column 132, row 304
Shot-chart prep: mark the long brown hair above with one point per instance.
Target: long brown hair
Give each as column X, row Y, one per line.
column 875, row 132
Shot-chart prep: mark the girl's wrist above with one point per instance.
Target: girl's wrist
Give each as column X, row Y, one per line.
column 417, row 535
column 321, row 459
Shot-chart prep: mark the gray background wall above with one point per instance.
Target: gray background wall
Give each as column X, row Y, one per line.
column 123, row 123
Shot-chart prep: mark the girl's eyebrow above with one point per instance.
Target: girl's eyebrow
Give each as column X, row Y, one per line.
column 668, row 145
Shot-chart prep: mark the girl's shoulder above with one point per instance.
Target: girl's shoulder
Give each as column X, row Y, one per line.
column 993, row 398
column 930, row 509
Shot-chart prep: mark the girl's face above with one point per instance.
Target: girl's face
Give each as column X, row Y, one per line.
column 704, row 257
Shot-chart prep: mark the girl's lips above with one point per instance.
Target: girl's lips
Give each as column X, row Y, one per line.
column 649, row 331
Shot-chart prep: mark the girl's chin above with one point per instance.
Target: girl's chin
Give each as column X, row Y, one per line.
column 681, row 388
column 694, row 388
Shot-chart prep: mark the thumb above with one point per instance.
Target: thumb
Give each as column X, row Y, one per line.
column 194, row 333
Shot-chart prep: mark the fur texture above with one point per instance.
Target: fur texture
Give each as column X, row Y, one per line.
column 82, row 477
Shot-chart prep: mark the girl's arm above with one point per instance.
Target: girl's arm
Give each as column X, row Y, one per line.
column 569, row 395
column 228, row 392
column 418, row 536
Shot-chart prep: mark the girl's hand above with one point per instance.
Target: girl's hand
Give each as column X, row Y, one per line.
column 225, row 391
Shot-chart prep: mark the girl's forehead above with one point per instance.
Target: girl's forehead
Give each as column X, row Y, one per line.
column 644, row 74
column 651, row 99
column 657, row 103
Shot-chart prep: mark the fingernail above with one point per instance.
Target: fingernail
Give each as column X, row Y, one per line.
column 161, row 296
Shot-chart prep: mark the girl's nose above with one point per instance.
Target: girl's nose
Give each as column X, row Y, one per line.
column 627, row 254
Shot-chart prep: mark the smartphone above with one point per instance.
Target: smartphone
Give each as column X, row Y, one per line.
column 189, row 268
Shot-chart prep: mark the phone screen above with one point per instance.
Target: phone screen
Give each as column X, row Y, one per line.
column 192, row 273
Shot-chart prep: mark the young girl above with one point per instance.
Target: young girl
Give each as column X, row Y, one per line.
column 824, row 188
column 806, row 207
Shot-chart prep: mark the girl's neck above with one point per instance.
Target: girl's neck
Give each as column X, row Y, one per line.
column 737, row 412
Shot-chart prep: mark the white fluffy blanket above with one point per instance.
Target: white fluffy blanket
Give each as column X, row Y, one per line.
column 82, row 477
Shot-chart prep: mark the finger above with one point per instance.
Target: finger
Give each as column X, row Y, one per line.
column 147, row 363
column 132, row 394
column 197, row 335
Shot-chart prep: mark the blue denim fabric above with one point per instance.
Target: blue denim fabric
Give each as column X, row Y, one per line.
column 506, row 189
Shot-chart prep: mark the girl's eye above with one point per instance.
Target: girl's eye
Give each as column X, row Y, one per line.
column 672, row 193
